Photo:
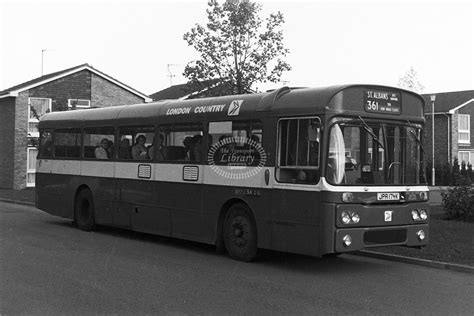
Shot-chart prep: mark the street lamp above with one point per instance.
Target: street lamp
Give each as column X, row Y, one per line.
column 433, row 98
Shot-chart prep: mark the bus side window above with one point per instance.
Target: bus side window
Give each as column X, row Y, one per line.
column 183, row 142
column 298, row 150
column 99, row 143
column 235, row 140
column 67, row 143
column 136, row 143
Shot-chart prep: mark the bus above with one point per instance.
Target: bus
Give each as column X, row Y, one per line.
column 314, row 171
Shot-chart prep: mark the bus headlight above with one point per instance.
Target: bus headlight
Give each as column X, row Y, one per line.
column 415, row 215
column 350, row 217
column 347, row 240
column 421, row 235
column 355, row 217
column 345, row 217
column 423, row 215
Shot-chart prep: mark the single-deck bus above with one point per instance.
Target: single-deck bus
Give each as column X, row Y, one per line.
column 310, row 170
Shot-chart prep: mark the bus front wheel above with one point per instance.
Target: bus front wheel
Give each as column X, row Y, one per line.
column 84, row 214
column 240, row 233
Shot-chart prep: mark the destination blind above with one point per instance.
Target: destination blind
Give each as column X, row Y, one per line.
column 382, row 102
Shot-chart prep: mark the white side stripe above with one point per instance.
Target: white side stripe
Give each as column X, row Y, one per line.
column 188, row 173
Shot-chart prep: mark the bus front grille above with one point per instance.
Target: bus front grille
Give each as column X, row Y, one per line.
column 386, row 236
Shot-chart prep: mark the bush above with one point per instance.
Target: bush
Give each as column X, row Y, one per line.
column 458, row 203
column 456, row 173
column 447, row 174
column 465, row 176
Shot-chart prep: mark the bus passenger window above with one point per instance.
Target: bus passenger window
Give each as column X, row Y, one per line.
column 67, row 143
column 136, row 143
column 99, row 143
column 181, row 143
column 235, row 143
column 298, row 160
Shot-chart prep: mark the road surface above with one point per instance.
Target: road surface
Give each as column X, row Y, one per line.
column 49, row 267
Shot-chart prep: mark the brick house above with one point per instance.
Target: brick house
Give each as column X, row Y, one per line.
column 21, row 107
column 453, row 128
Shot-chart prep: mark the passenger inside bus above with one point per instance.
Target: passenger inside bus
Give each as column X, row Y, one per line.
column 124, row 149
column 110, row 149
column 255, row 139
column 139, row 151
column 101, row 152
column 197, row 148
column 188, row 147
column 161, row 152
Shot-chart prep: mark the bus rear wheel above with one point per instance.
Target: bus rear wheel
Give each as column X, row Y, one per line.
column 84, row 213
column 240, row 233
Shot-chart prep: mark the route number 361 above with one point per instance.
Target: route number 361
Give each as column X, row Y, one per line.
column 372, row 105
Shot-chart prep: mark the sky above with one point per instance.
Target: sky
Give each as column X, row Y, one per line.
column 140, row 43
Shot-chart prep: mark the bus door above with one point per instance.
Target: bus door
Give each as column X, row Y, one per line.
column 135, row 175
column 296, row 197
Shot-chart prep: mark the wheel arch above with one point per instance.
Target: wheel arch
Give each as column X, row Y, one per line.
column 78, row 190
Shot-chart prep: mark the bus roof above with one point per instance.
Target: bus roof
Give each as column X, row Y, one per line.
column 336, row 100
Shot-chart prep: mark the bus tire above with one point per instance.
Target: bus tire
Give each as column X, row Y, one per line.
column 84, row 211
column 240, row 233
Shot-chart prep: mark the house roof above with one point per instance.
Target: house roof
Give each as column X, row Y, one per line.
column 185, row 91
column 174, row 92
column 447, row 102
column 13, row 91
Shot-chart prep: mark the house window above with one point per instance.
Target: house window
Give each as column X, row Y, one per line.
column 78, row 103
column 31, row 166
column 464, row 128
column 464, row 156
column 37, row 108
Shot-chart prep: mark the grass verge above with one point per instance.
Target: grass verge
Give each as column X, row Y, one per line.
column 450, row 241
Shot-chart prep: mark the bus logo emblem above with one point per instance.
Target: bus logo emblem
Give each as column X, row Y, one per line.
column 388, row 216
column 237, row 157
column 234, row 107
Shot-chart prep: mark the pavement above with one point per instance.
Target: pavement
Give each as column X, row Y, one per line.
column 27, row 197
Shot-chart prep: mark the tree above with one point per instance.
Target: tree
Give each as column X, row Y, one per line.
column 237, row 49
column 410, row 81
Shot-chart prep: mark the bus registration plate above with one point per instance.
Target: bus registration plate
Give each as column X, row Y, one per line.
column 395, row 196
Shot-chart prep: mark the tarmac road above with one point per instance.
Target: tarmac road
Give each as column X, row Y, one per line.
column 49, row 267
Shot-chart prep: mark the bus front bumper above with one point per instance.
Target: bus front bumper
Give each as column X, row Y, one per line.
column 353, row 239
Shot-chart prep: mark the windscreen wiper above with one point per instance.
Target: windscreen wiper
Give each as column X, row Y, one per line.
column 371, row 132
